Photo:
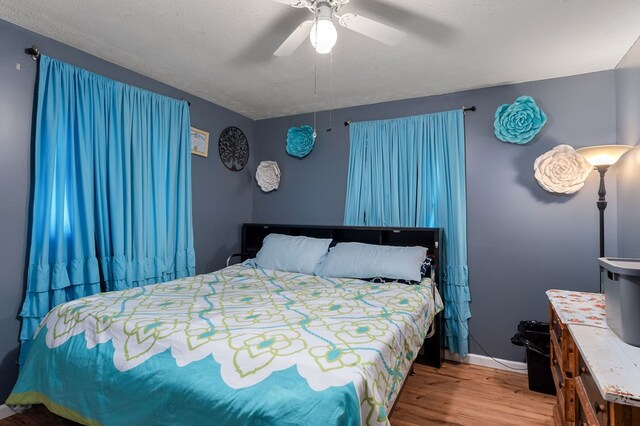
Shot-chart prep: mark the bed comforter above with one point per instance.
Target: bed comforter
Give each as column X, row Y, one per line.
column 238, row 346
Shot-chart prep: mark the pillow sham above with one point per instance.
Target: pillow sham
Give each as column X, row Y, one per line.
column 359, row 260
column 382, row 280
column 425, row 269
column 292, row 254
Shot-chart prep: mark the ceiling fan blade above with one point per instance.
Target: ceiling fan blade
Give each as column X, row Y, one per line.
column 294, row 3
column 370, row 28
column 295, row 39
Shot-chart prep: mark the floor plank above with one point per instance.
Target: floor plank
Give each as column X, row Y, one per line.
column 456, row 394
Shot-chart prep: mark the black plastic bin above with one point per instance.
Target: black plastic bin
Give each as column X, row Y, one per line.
column 534, row 336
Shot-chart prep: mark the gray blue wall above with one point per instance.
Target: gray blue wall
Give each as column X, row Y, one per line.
column 222, row 200
column 521, row 239
column 627, row 75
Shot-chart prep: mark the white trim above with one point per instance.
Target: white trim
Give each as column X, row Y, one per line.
column 6, row 412
column 485, row 361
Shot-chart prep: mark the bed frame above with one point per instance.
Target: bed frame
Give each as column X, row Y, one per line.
column 432, row 352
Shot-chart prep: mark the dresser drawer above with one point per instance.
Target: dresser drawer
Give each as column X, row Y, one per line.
column 565, row 392
column 581, row 417
column 558, row 378
column 593, row 406
column 556, row 351
column 556, row 325
column 560, row 383
column 558, row 417
column 563, row 345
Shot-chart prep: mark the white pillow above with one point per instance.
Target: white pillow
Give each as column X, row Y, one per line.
column 292, row 254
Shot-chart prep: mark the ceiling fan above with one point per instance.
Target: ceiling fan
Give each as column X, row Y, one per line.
column 323, row 33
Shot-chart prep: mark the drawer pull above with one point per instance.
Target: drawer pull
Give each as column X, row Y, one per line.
column 583, row 370
column 599, row 408
column 555, row 361
column 560, row 384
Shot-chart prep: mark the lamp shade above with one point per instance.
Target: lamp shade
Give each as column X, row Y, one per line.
column 603, row 155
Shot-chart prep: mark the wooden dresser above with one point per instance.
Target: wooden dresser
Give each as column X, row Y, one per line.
column 597, row 375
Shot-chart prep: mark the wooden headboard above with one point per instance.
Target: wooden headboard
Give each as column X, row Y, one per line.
column 253, row 234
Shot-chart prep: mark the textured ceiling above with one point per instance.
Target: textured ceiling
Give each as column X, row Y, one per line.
column 221, row 50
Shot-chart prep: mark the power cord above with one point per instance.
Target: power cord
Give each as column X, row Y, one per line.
column 463, row 322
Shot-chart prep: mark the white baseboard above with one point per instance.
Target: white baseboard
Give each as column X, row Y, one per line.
column 485, row 361
column 6, row 412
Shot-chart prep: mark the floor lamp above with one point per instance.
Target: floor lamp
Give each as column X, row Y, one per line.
column 601, row 157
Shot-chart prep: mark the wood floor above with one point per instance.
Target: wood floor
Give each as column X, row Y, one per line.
column 456, row 394
column 462, row 394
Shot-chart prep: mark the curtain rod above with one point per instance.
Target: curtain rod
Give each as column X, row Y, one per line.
column 34, row 52
column 463, row 108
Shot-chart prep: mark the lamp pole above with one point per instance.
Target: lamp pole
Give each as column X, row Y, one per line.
column 601, row 157
column 602, row 204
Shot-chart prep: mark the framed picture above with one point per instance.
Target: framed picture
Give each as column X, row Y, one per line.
column 199, row 142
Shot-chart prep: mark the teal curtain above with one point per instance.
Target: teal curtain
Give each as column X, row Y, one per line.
column 411, row 172
column 111, row 191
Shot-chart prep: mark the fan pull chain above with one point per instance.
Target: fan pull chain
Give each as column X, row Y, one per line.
column 330, row 91
column 315, row 82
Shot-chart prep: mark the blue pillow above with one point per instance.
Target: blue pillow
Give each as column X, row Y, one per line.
column 425, row 272
column 358, row 260
column 292, row 254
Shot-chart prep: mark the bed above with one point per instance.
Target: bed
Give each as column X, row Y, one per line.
column 243, row 345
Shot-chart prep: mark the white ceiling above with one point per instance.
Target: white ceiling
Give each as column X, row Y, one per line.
column 221, row 50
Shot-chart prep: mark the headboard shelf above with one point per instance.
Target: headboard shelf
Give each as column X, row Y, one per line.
column 253, row 234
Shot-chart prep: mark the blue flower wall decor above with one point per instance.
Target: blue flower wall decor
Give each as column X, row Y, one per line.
column 300, row 141
column 520, row 121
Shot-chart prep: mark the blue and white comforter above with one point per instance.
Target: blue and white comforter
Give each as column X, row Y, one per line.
column 238, row 346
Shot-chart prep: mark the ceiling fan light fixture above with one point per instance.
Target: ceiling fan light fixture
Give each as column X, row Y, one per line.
column 323, row 33
column 323, row 36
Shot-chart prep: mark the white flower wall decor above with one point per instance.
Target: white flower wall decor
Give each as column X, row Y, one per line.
column 561, row 170
column 268, row 176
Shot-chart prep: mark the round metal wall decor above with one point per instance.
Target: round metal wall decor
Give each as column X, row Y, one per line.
column 233, row 148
